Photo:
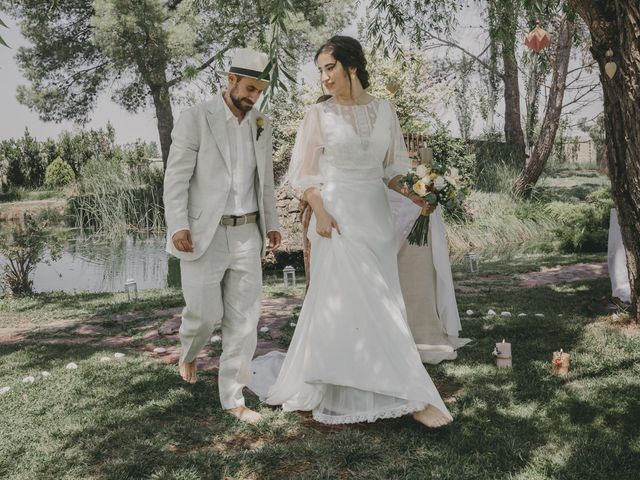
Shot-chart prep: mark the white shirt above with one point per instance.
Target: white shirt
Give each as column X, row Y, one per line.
column 242, row 196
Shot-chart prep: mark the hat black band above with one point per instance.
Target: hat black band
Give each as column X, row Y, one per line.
column 248, row 73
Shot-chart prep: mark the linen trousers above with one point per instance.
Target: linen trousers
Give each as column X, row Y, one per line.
column 222, row 288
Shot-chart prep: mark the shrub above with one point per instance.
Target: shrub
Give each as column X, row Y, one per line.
column 496, row 164
column 59, row 173
column 24, row 246
column 584, row 226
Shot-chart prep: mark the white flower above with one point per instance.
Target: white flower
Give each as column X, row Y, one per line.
column 454, row 176
column 439, row 182
column 4, row 390
column 118, row 355
column 505, row 314
column 264, row 329
column 491, row 313
column 105, row 359
column 469, row 312
column 216, row 339
column 45, row 374
column 420, row 188
column 71, row 366
column 159, row 350
column 421, row 170
column 29, row 379
column 426, row 180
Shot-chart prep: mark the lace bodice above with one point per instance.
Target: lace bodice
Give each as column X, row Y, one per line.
column 348, row 142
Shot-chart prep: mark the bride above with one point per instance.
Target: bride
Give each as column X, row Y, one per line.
column 352, row 357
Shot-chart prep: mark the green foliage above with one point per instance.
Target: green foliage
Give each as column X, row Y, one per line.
column 78, row 147
column 115, row 200
column 59, row 173
column 22, row 161
column 452, row 152
column 2, row 42
column 584, row 227
column 497, row 164
column 25, row 246
column 409, row 85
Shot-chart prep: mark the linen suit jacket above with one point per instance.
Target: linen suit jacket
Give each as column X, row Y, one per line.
column 198, row 179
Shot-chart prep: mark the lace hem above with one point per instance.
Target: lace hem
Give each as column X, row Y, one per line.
column 368, row 417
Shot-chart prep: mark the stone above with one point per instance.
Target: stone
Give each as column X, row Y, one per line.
column 469, row 312
column 491, row 313
column 118, row 355
column 159, row 350
column 71, row 366
column 29, row 379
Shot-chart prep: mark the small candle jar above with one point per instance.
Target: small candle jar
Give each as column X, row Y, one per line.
column 560, row 363
column 502, row 354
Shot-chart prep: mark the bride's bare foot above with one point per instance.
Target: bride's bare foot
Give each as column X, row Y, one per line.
column 431, row 417
column 245, row 414
column 188, row 371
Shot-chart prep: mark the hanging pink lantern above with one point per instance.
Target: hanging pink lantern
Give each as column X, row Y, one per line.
column 537, row 39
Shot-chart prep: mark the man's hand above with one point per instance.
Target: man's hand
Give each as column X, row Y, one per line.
column 274, row 240
column 182, row 241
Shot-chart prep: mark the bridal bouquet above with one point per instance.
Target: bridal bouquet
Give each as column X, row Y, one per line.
column 437, row 185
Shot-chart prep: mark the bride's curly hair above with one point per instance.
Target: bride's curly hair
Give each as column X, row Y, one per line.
column 348, row 51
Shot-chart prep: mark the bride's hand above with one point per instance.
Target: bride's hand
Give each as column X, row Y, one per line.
column 325, row 223
column 417, row 199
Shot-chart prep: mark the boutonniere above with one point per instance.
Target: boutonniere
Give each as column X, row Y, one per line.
column 260, row 125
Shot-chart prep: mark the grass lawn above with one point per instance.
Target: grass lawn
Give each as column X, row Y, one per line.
column 134, row 417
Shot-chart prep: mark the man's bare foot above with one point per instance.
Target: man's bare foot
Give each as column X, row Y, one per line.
column 245, row 414
column 188, row 371
column 431, row 417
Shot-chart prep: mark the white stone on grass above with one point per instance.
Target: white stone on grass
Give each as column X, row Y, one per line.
column 159, row 350
column 505, row 314
column 216, row 339
column 4, row 390
column 264, row 329
column 522, row 314
column 469, row 312
column 45, row 374
column 118, row 355
column 29, row 379
column 292, row 324
column 105, row 359
column 491, row 313
column 71, row 366
column 540, row 315
column 560, row 315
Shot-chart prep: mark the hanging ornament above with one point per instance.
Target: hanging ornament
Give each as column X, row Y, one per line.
column 537, row 39
column 610, row 67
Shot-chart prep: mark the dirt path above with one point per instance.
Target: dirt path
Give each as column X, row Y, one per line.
column 276, row 313
column 563, row 274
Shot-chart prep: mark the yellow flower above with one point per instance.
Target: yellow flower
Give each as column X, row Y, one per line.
column 420, row 188
column 433, row 175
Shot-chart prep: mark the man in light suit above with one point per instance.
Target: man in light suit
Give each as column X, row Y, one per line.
column 220, row 211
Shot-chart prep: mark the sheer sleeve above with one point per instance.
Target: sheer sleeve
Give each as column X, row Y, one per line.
column 396, row 161
column 304, row 168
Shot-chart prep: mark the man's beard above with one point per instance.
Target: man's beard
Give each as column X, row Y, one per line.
column 238, row 102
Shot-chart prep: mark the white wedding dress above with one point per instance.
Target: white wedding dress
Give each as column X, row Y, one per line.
column 352, row 357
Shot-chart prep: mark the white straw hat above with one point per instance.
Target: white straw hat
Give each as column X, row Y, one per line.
column 248, row 63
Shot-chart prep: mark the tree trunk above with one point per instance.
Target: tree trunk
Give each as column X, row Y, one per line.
column 615, row 25
column 164, row 114
column 535, row 164
column 512, row 121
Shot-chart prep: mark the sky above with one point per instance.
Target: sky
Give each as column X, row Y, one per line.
column 15, row 117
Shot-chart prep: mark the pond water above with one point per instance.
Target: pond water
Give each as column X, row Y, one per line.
column 104, row 267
